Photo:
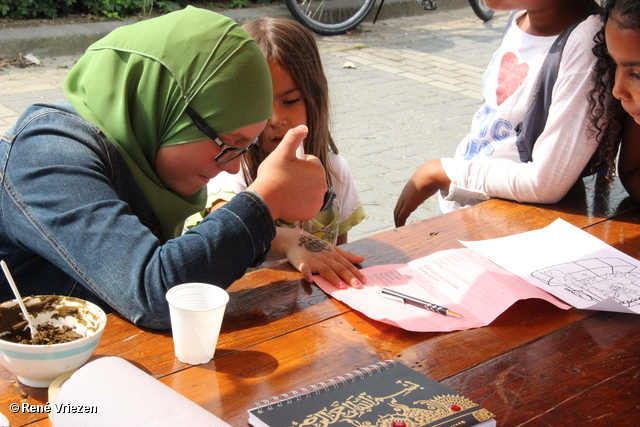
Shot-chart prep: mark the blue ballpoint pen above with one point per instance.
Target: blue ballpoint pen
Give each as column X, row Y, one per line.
column 407, row 299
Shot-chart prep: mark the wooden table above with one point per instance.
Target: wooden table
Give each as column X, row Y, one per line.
column 536, row 365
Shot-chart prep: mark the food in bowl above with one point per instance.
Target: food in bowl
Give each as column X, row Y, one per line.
column 71, row 327
column 15, row 329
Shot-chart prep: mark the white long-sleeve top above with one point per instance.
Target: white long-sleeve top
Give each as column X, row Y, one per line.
column 486, row 163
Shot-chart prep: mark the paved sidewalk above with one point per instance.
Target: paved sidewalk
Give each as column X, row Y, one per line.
column 410, row 98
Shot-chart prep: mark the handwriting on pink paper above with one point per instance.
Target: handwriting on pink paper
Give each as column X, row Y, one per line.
column 458, row 279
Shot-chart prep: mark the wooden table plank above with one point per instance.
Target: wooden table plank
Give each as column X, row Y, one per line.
column 584, row 374
column 612, row 402
column 230, row 384
column 621, row 232
column 513, row 386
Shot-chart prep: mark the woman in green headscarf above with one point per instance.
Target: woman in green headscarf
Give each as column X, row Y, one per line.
column 95, row 190
column 136, row 90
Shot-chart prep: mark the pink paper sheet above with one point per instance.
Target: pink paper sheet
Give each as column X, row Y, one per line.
column 458, row 279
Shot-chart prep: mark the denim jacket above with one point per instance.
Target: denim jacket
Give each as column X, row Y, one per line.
column 74, row 222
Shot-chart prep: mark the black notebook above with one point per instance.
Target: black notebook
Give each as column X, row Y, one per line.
column 386, row 394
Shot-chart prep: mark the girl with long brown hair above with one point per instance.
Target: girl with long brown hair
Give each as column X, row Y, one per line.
column 300, row 97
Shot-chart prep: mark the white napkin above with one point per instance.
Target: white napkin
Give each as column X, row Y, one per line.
column 123, row 395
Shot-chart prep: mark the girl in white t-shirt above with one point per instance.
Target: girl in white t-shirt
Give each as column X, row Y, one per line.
column 615, row 98
column 300, row 97
column 487, row 163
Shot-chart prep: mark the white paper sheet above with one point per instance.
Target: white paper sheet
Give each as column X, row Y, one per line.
column 571, row 264
column 124, row 396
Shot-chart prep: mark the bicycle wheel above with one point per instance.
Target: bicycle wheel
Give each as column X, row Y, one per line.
column 330, row 17
column 481, row 10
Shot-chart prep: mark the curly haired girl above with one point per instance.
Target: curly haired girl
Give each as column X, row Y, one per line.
column 615, row 99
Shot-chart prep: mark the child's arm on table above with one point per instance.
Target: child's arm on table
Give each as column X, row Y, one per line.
column 425, row 182
column 309, row 255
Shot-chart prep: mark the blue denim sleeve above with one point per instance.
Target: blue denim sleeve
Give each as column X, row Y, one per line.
column 64, row 228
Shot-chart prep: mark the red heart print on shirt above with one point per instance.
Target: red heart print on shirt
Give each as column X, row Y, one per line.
column 510, row 76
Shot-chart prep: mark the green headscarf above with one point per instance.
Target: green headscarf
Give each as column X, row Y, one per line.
column 136, row 82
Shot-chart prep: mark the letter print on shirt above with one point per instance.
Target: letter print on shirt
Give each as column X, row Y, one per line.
column 489, row 128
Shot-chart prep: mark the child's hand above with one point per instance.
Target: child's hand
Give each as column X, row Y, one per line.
column 292, row 188
column 429, row 178
column 310, row 255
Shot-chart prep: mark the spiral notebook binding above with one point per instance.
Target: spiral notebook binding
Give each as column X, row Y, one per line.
column 353, row 376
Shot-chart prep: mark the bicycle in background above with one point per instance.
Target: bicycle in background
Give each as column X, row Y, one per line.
column 332, row 17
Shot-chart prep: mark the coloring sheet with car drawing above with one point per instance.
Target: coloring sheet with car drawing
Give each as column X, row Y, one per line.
column 571, row 264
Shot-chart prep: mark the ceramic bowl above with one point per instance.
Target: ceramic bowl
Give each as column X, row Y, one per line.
column 39, row 365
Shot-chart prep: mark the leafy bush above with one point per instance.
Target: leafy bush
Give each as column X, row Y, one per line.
column 115, row 9
column 238, row 4
column 35, row 8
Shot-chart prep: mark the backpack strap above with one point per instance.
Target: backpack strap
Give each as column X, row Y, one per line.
column 536, row 117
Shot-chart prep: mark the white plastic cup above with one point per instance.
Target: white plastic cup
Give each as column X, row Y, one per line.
column 196, row 311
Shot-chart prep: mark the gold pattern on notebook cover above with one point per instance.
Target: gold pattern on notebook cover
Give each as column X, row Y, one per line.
column 428, row 411
column 384, row 394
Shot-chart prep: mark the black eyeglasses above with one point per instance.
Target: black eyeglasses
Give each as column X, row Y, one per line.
column 228, row 152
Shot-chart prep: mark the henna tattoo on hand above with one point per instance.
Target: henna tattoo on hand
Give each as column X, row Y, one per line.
column 313, row 244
